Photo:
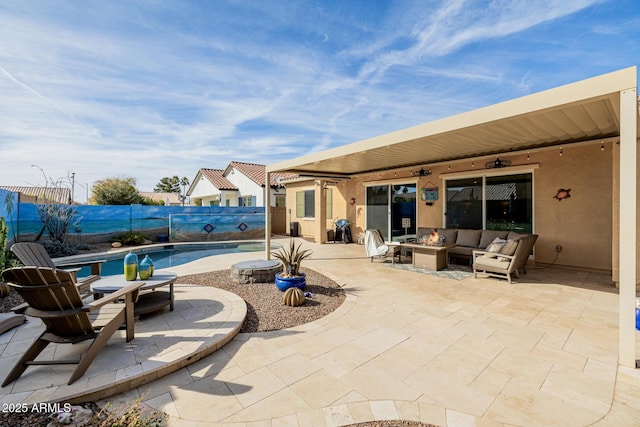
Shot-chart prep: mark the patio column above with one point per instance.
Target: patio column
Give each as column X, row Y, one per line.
column 320, row 225
column 628, row 208
column 267, row 215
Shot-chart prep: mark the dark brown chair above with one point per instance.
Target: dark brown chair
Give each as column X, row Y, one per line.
column 53, row 296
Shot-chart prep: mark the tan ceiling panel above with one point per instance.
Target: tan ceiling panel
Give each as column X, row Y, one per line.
column 581, row 111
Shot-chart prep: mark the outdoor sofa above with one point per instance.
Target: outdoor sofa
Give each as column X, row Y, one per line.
column 468, row 240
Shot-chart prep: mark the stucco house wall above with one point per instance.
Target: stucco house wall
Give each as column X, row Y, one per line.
column 306, row 226
column 582, row 224
column 204, row 192
column 246, row 186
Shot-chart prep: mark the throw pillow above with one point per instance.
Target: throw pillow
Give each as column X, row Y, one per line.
column 496, row 245
column 508, row 249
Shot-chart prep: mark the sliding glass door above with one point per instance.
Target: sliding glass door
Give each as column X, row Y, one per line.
column 502, row 202
column 509, row 203
column 378, row 208
column 392, row 209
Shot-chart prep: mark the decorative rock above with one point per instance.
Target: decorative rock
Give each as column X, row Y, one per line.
column 258, row 271
column 76, row 417
column 116, row 245
column 293, row 297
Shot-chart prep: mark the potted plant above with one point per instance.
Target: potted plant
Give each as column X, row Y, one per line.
column 291, row 258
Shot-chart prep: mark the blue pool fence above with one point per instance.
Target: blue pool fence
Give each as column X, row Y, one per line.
column 99, row 224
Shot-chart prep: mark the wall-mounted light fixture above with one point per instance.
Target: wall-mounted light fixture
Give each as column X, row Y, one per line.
column 421, row 172
column 497, row 163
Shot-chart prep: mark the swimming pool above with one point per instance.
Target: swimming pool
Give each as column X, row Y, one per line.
column 169, row 255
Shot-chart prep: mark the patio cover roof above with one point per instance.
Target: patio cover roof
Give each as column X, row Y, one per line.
column 583, row 111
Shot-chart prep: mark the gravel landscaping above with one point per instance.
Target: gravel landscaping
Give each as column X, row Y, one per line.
column 265, row 310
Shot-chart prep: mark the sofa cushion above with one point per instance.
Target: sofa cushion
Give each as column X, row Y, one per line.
column 461, row 250
column 489, row 236
column 450, row 234
column 513, row 235
column 488, row 261
column 468, row 238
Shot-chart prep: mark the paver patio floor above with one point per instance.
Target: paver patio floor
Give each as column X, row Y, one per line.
column 405, row 345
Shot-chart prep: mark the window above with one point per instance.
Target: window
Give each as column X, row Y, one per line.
column 503, row 202
column 247, row 201
column 305, row 204
column 281, row 200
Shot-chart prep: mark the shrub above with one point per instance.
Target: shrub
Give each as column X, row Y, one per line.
column 130, row 238
column 57, row 249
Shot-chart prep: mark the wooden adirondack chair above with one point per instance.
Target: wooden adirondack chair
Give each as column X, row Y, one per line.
column 34, row 254
column 52, row 296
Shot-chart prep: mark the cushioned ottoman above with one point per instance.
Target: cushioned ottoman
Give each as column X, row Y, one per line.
column 10, row 320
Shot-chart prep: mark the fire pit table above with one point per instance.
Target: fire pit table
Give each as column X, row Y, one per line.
column 430, row 257
column 258, row 271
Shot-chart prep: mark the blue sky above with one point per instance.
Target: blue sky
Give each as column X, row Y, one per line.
column 148, row 89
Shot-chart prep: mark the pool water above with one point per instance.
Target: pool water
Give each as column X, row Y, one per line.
column 170, row 255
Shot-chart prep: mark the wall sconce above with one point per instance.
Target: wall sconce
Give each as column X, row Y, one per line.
column 602, row 146
column 561, row 153
column 352, row 201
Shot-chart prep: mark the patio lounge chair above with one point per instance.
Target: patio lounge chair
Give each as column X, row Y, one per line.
column 377, row 248
column 512, row 257
column 34, row 254
column 52, row 296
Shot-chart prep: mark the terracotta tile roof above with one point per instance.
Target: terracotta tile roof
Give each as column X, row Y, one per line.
column 216, row 177
column 256, row 172
column 54, row 194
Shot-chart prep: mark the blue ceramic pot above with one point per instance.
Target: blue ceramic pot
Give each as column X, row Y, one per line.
column 284, row 283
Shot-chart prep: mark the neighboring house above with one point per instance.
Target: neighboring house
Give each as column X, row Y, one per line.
column 169, row 199
column 40, row 194
column 211, row 188
column 240, row 184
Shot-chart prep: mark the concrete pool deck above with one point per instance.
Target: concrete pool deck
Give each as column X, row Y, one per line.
column 405, row 345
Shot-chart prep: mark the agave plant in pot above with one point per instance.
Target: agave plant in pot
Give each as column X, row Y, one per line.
column 291, row 257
